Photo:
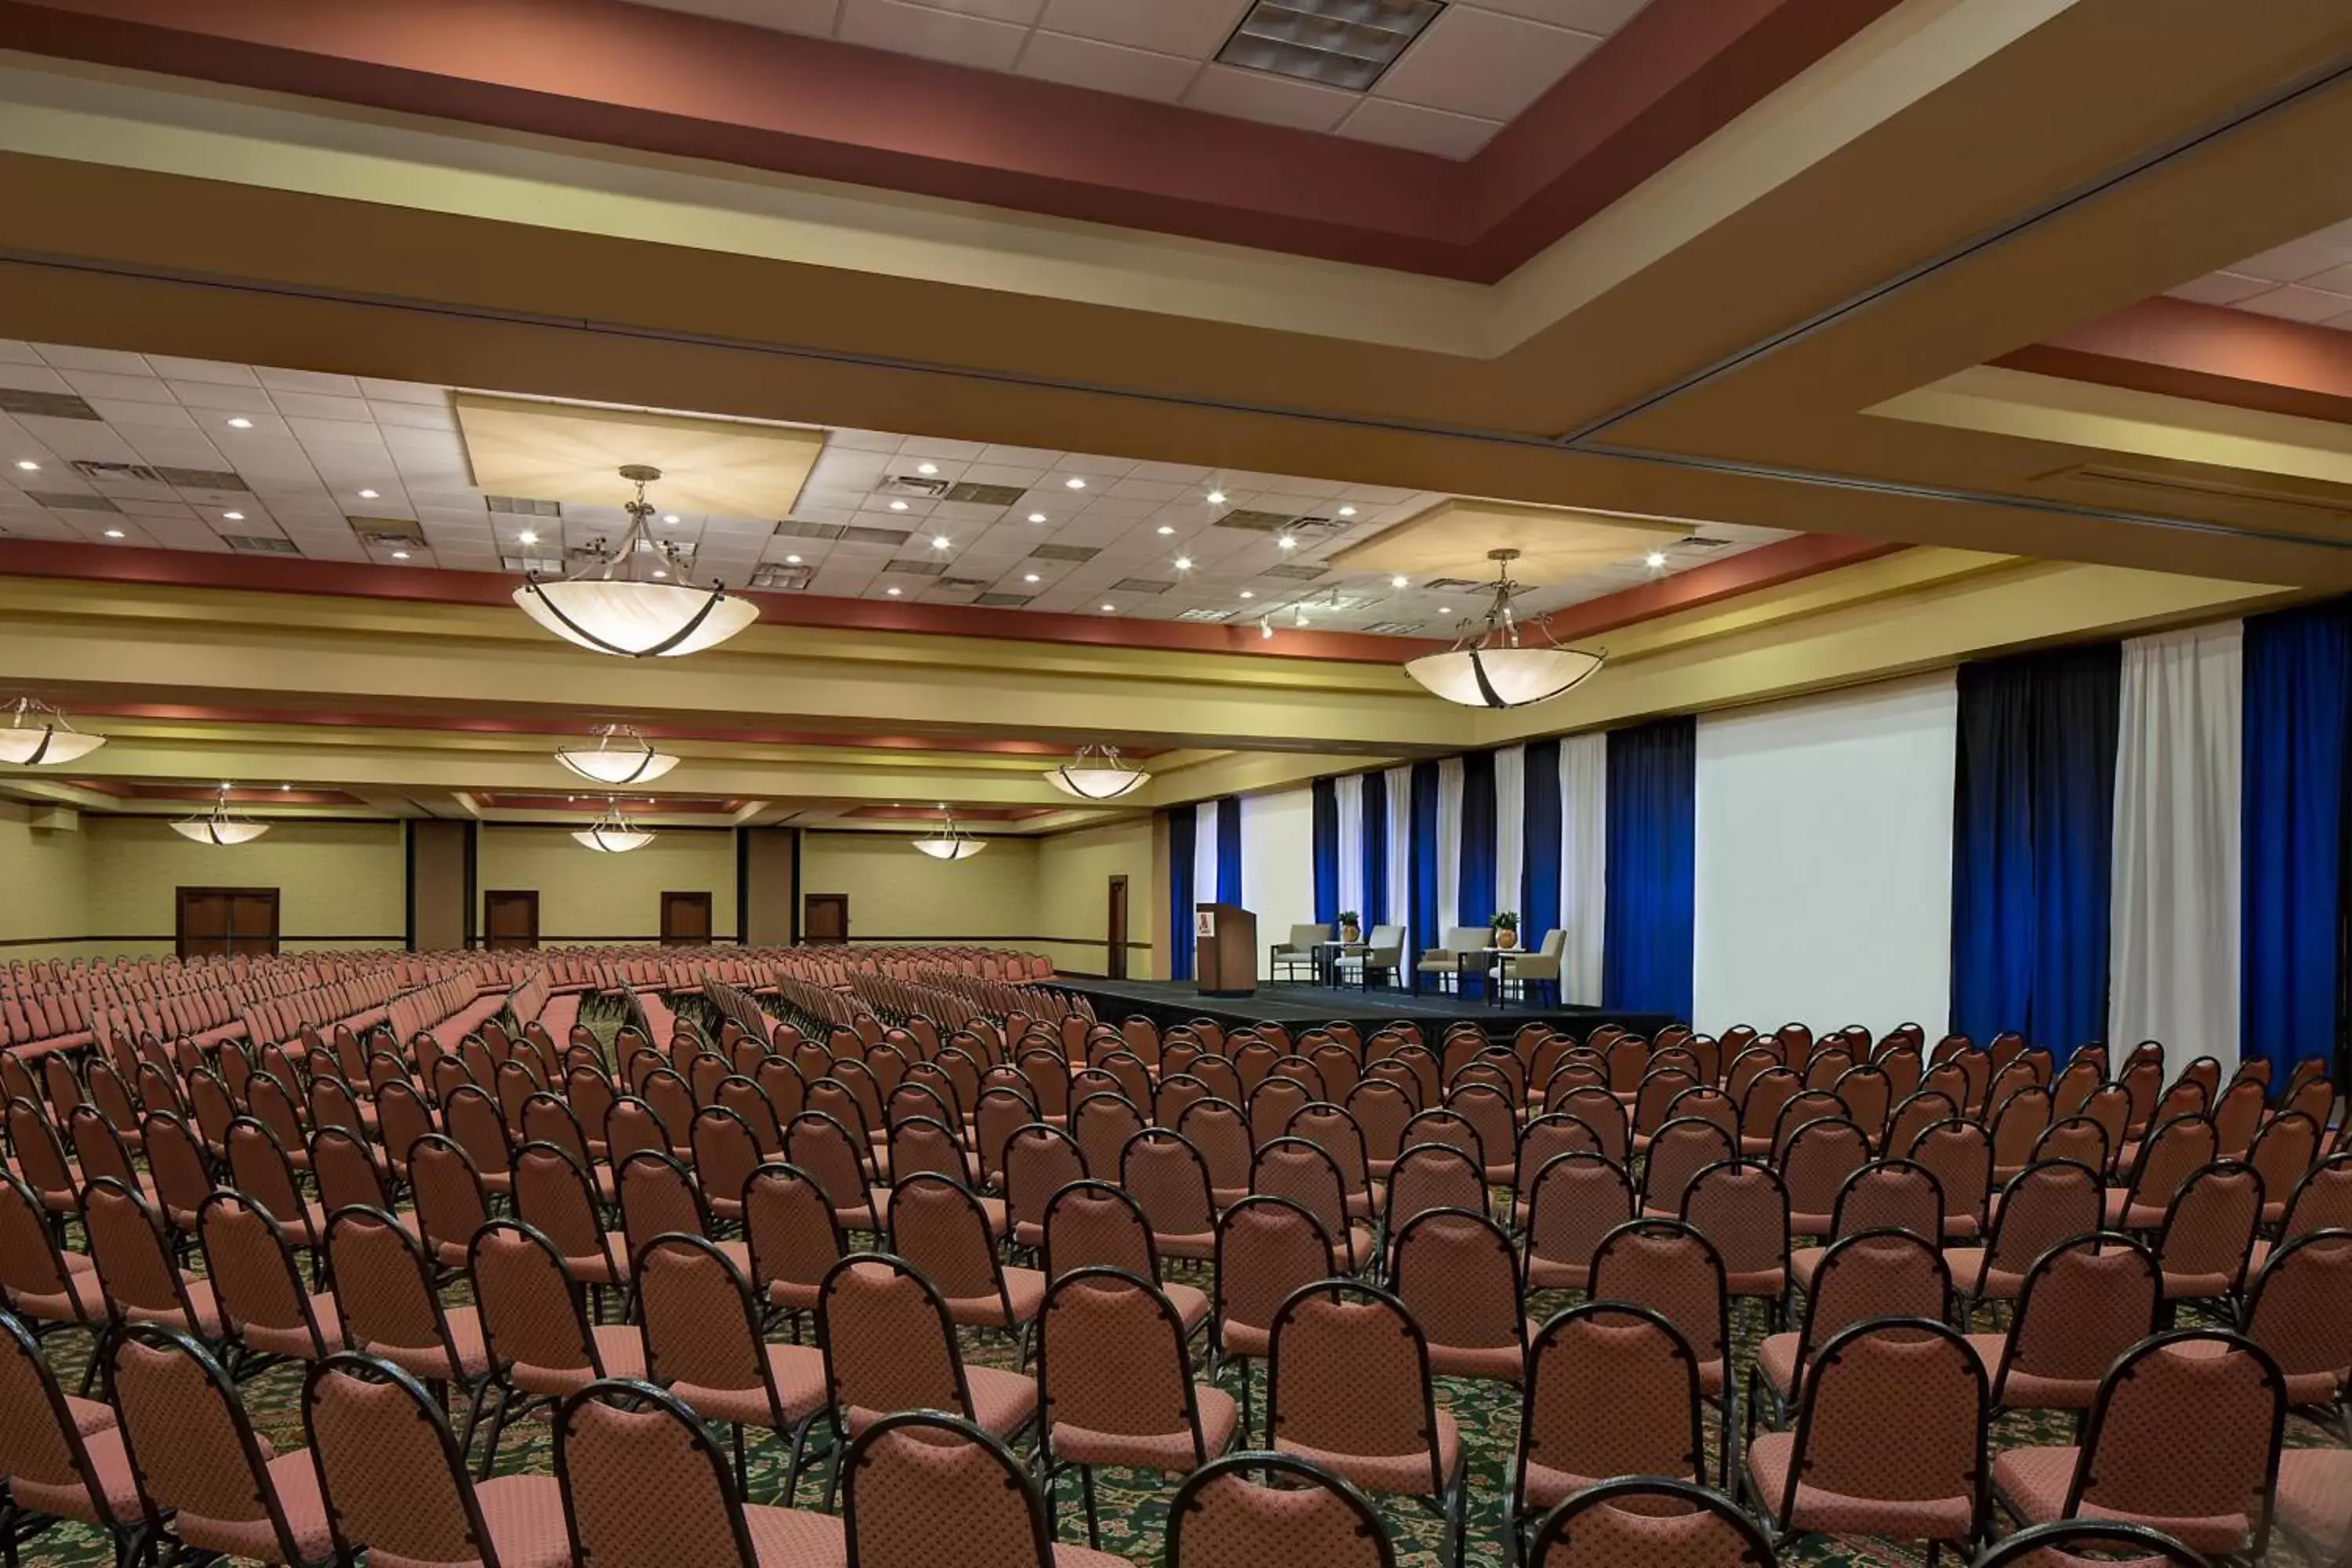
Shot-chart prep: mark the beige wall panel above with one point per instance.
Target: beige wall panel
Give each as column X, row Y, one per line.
column 438, row 894
column 897, row 894
column 768, row 891
column 1074, row 872
column 340, row 885
column 43, row 888
column 587, row 897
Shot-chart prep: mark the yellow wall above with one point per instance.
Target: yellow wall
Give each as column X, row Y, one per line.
column 896, row 893
column 42, row 892
column 334, row 879
column 585, row 896
column 1074, row 872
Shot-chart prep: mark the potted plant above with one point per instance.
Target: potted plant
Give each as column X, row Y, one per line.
column 1350, row 926
column 1507, row 929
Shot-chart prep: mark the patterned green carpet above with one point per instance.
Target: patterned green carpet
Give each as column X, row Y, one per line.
column 1133, row 1506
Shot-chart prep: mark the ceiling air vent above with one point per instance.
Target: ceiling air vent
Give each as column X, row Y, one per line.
column 1700, row 542
column 117, row 473
column 917, row 568
column 1003, row 601
column 964, row 584
column 984, row 495
column 536, row 565
column 1254, row 522
column 519, row 506
column 391, row 530
column 259, row 544
column 1299, row 573
column 1140, row 586
column 790, row 529
column 1346, row 44
column 1204, row 613
column 43, row 404
column 893, row 537
column 1064, row 552
column 70, row 500
column 1454, row 585
column 201, row 479
column 911, row 485
column 1393, row 628
column 780, row 578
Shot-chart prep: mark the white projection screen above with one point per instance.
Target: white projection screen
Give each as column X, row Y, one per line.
column 1824, row 851
column 1278, row 865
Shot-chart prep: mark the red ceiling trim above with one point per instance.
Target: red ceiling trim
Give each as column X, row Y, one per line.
column 2212, row 354
column 1766, row 567
column 597, row 802
column 667, row 82
column 963, row 814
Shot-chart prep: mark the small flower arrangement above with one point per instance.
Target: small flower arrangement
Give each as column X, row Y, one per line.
column 1506, row 926
column 1351, row 927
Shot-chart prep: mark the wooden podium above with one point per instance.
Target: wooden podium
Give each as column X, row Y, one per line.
column 1225, row 944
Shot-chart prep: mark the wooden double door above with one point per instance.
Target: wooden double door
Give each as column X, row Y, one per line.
column 224, row 921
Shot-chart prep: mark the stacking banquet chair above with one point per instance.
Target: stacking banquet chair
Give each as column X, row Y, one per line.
column 1742, row 1209
column 1267, row 1248
column 2315, row 1503
column 395, row 1484
column 1669, row 1267
column 385, row 1294
column 1576, row 1201
column 1114, row 1386
column 194, row 1457
column 51, row 1288
column 703, row 1341
column 939, row 1228
column 645, row 1486
column 1871, row 1275
column 1348, row 1388
column 2208, row 1233
column 1613, row 1390
column 133, row 1254
column 61, row 1459
column 2051, row 1201
column 2183, row 1438
column 1092, row 1224
column 922, row 1488
column 788, row 1229
column 1301, row 1513
column 249, row 1262
column 540, row 1340
column 888, row 1346
column 1652, row 1521
column 2299, row 1308
column 1890, row 1440
column 2065, row 1541
column 1455, row 1273
column 2084, row 1302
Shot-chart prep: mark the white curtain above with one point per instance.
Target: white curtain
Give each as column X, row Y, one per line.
column 1511, row 837
column 1348, row 802
column 1449, row 846
column 2173, row 963
column 1584, row 863
column 1397, row 791
column 1204, row 853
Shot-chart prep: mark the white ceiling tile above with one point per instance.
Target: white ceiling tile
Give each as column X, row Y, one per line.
column 1193, row 28
column 1172, row 473
column 935, row 35
column 1274, row 99
column 12, row 352
column 65, row 356
column 1598, row 17
column 2300, row 258
column 864, row 440
column 1418, row 129
column 939, row 446
column 313, row 405
column 223, row 397
column 32, row 378
column 95, row 385
column 2296, row 304
column 1108, row 68
column 412, row 415
column 784, row 15
column 309, row 381
column 166, row 415
column 1483, row 63
column 315, row 433
column 2335, row 279
column 202, row 371
column 2219, row 288
column 1020, row 13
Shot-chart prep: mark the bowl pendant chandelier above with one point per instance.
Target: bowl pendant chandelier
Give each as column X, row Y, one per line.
column 1491, row 667
column 951, row 842
column 218, row 827
column 38, row 736
column 601, row 608
column 613, row 833
column 632, row 762
column 1097, row 773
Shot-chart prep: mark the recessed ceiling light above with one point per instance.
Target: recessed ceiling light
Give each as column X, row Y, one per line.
column 927, row 467
column 1248, row 595
column 1346, row 511
column 29, row 466
column 892, row 591
column 1165, row 529
column 114, row 533
column 528, row 537
column 1396, row 582
column 1029, row 577
column 897, row 506
column 791, row 560
column 232, row 517
column 1110, row 609
column 1036, row 517
column 1444, row 609
column 286, row 786
column 1285, row 542
column 240, row 422
column 1655, row 559
column 670, row 517
column 400, row 555
column 1183, row 563
column 659, row 573
column 1074, row 483
column 368, row 495
column 940, row 542
column 1217, row 498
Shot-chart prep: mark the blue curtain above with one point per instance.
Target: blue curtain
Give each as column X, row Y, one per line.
column 1478, row 893
column 2033, row 843
column 1422, row 892
column 1229, row 849
column 1652, row 867
column 2298, row 706
column 1323, row 795
column 1180, row 824
column 1538, row 890
column 1376, row 911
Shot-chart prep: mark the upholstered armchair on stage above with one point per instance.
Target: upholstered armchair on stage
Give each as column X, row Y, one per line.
column 1382, row 954
column 1448, row 962
column 1541, row 967
column 1299, row 951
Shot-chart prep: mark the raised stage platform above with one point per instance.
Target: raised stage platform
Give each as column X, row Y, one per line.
column 1167, row 1002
